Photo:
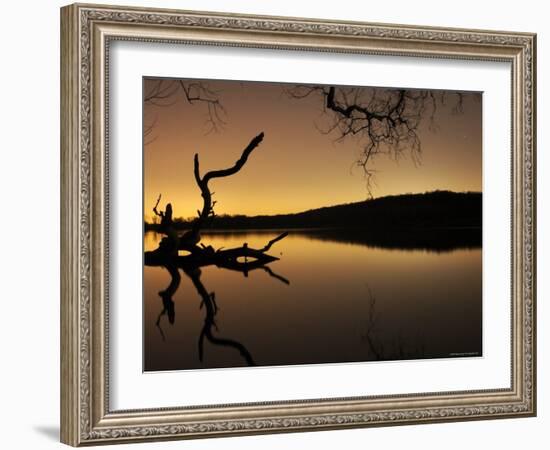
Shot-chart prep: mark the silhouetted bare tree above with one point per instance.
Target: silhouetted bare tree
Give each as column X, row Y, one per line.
column 200, row 254
column 241, row 259
column 384, row 121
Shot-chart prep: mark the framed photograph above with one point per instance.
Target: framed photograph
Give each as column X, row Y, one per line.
column 275, row 225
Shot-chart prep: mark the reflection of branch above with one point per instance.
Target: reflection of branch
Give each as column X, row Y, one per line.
column 208, row 300
column 371, row 321
column 209, row 322
column 207, row 331
column 274, row 275
column 166, row 296
column 387, row 350
column 160, row 328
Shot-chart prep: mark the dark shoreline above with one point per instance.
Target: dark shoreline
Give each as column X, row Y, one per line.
column 432, row 210
column 429, row 239
column 438, row 221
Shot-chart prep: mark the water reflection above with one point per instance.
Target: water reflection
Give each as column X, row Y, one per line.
column 394, row 349
column 332, row 299
column 166, row 295
column 211, row 308
column 250, row 261
column 436, row 240
column 208, row 303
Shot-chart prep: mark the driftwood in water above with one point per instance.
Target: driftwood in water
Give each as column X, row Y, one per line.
column 189, row 240
column 201, row 255
column 241, row 259
column 231, row 259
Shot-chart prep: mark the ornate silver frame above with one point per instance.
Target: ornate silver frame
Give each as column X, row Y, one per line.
column 86, row 31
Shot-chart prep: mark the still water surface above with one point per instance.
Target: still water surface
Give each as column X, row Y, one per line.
column 327, row 300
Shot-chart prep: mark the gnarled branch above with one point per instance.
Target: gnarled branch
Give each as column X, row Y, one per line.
column 200, row 256
column 207, row 207
column 384, row 121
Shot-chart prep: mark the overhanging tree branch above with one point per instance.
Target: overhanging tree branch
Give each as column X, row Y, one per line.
column 383, row 121
column 164, row 92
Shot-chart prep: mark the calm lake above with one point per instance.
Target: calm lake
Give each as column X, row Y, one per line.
column 327, row 300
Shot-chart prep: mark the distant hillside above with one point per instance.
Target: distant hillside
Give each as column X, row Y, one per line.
column 438, row 209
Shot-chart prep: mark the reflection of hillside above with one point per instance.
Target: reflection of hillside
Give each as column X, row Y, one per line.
column 436, row 240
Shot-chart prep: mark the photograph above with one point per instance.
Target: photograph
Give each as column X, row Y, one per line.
column 296, row 224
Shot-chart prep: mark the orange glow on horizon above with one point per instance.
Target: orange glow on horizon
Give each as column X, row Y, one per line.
column 295, row 168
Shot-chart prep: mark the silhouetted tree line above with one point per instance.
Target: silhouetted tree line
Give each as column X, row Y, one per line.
column 437, row 209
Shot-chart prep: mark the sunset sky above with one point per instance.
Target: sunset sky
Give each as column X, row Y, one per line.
column 296, row 167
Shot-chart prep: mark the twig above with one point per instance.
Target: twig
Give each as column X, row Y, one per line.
column 272, row 241
column 274, row 275
column 156, row 205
